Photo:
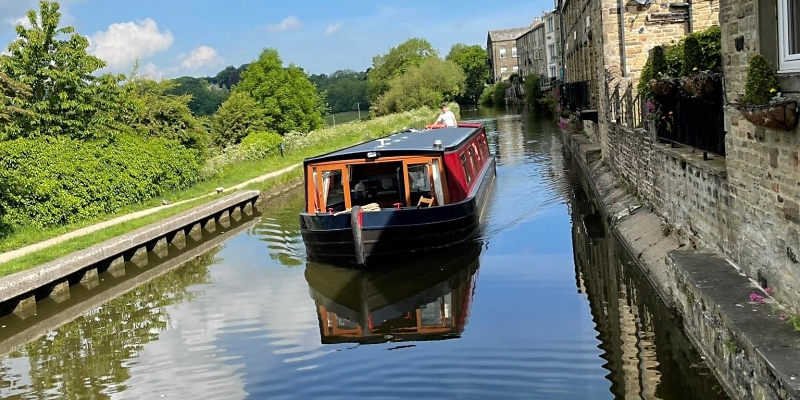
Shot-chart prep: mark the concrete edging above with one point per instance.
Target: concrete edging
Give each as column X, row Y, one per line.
column 55, row 275
column 752, row 354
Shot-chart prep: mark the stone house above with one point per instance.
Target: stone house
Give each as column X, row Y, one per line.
column 502, row 48
column 607, row 42
column 552, row 33
column 530, row 47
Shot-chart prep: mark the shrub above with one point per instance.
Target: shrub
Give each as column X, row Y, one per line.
column 760, row 83
column 499, row 92
column 259, row 144
column 57, row 180
column 693, row 58
column 486, row 96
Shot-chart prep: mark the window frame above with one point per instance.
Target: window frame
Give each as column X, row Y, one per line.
column 514, row 51
column 786, row 62
column 503, row 53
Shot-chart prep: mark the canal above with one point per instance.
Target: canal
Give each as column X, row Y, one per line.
column 546, row 305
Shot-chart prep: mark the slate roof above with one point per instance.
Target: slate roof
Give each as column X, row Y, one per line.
column 502, row 35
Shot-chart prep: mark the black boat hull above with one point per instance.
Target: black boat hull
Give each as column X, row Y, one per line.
column 390, row 236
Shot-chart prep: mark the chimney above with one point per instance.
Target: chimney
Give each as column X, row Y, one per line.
column 536, row 21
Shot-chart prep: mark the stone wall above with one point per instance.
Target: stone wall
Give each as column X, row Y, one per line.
column 509, row 62
column 762, row 163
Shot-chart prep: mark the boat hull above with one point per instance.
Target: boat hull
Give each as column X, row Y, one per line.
column 390, row 236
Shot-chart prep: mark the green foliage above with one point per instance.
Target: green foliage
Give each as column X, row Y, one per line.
column 532, row 88
column 66, row 98
column 473, row 61
column 261, row 144
column 674, row 57
column 659, row 62
column 710, row 40
column 499, row 92
column 58, row 180
column 693, row 58
column 289, row 100
column 396, row 62
column 426, row 85
column 228, row 77
column 150, row 112
column 344, row 90
column 13, row 94
column 206, row 98
column 761, row 82
column 487, row 97
column 238, row 117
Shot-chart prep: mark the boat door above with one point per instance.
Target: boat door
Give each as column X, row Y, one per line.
column 424, row 181
column 333, row 187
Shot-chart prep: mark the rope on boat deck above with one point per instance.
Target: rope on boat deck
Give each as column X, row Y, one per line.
column 365, row 208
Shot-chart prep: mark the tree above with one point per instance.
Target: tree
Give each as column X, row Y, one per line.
column 396, row 62
column 228, row 77
column 151, row 112
column 65, row 97
column 473, row 60
column 344, row 90
column 238, row 116
column 206, row 98
column 429, row 84
column 289, row 100
column 12, row 95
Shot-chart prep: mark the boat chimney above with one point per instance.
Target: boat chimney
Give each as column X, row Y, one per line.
column 437, row 144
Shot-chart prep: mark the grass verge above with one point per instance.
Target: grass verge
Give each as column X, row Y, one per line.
column 298, row 148
column 64, row 248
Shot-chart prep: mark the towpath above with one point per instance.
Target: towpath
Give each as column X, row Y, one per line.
column 13, row 254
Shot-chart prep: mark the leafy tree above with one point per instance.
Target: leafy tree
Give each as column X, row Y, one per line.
column 12, row 95
column 474, row 61
column 228, row 77
column 238, row 117
column 65, row 97
column 428, row 84
column 206, row 98
column 289, row 100
column 344, row 90
column 396, row 62
column 151, row 112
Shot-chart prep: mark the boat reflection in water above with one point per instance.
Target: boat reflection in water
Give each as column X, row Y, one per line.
column 427, row 300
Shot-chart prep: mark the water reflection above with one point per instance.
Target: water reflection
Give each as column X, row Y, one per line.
column 426, row 300
column 646, row 353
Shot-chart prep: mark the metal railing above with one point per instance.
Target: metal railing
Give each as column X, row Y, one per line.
column 625, row 108
column 576, row 96
column 693, row 121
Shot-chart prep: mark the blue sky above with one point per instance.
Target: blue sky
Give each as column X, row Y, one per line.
column 200, row 37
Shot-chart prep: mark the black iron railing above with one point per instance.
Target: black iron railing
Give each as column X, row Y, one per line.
column 625, row 108
column 576, row 96
column 692, row 121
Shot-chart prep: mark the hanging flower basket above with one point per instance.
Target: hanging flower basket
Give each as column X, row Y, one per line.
column 776, row 116
column 661, row 87
column 702, row 84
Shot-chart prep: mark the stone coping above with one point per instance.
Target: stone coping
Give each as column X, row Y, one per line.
column 715, row 165
column 23, row 282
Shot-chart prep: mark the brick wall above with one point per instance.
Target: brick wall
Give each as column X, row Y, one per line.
column 762, row 164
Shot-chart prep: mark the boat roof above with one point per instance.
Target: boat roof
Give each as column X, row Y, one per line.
column 405, row 142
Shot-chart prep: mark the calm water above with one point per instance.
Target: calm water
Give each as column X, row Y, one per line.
column 545, row 306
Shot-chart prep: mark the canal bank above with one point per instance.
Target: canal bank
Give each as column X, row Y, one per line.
column 753, row 353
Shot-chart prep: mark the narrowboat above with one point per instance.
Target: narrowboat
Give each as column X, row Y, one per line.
column 428, row 300
column 383, row 201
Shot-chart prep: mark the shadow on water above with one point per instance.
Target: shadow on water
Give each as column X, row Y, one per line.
column 425, row 300
column 250, row 317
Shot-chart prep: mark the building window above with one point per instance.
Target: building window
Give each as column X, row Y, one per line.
column 503, row 70
column 789, row 35
column 514, row 51
column 515, row 68
column 502, row 51
column 552, row 49
column 550, row 24
column 552, row 72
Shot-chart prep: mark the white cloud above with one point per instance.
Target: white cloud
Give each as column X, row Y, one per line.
column 331, row 29
column 203, row 56
column 19, row 21
column 123, row 42
column 290, row 23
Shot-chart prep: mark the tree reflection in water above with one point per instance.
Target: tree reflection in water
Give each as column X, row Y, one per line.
column 89, row 357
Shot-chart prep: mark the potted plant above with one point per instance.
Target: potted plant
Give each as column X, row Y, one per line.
column 661, row 84
column 762, row 103
column 698, row 80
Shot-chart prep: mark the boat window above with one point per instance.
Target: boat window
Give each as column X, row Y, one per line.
column 382, row 183
column 419, row 182
column 464, row 165
column 333, row 190
column 437, row 181
column 472, row 160
column 431, row 314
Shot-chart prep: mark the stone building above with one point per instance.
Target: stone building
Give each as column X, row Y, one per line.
column 607, row 42
column 502, row 48
column 552, row 34
column 530, row 48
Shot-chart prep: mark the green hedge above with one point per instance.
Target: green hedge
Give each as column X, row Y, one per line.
column 53, row 181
